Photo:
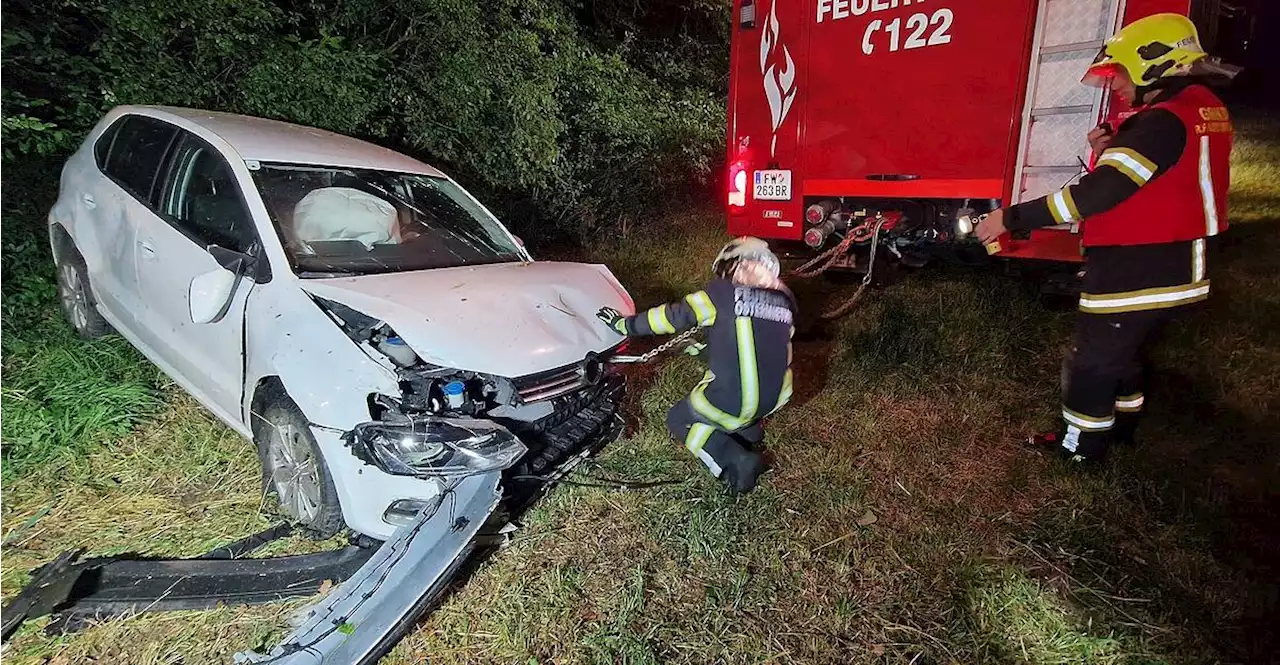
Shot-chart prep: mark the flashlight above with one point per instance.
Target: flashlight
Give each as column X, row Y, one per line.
column 966, row 222
column 965, row 225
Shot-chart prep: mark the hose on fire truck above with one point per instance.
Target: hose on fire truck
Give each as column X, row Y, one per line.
column 827, row 259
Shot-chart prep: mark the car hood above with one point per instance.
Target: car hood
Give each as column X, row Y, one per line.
column 508, row 319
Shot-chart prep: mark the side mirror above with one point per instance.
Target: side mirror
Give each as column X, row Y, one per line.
column 519, row 240
column 211, row 293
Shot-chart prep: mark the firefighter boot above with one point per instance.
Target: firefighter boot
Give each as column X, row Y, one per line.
column 1124, row 433
column 750, row 437
column 741, row 468
column 1059, row 444
column 1128, row 413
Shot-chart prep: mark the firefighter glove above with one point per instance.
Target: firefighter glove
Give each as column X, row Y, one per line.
column 613, row 318
column 695, row 348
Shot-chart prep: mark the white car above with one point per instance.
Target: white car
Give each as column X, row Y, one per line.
column 373, row 328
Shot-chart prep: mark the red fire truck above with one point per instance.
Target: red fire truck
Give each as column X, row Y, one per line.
column 913, row 114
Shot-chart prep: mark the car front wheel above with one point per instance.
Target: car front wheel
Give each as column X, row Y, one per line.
column 78, row 304
column 295, row 471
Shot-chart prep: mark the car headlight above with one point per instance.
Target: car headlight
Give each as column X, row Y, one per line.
column 436, row 447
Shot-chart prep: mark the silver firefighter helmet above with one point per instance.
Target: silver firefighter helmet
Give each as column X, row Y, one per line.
column 747, row 261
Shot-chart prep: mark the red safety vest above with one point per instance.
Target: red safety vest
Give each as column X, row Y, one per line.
column 1188, row 201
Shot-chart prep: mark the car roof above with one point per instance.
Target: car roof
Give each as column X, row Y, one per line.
column 266, row 140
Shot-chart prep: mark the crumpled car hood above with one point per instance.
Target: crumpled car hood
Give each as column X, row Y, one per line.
column 508, row 319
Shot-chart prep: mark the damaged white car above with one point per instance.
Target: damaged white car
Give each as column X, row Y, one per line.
column 371, row 327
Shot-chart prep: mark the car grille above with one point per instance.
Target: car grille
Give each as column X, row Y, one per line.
column 552, row 384
column 564, row 380
column 577, row 421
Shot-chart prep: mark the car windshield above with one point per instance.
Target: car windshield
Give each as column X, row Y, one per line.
column 335, row 220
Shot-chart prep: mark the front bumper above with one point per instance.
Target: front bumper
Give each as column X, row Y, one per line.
column 364, row 617
column 365, row 491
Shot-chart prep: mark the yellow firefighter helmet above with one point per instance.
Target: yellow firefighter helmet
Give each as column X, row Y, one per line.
column 1147, row 50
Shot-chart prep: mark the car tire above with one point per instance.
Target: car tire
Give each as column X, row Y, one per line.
column 294, row 469
column 79, row 306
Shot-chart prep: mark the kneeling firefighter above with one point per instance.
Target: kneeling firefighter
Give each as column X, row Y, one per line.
column 748, row 315
column 1157, row 191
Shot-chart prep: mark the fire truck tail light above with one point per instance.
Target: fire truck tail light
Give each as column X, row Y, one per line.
column 738, row 185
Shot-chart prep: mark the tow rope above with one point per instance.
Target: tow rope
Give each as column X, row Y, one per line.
column 606, row 482
column 609, row 483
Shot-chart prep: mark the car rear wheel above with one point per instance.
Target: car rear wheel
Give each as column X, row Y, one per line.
column 78, row 304
column 294, row 469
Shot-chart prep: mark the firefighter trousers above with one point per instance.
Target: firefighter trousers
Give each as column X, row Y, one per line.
column 726, row 454
column 1102, row 379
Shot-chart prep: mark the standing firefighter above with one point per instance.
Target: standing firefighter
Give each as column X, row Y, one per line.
column 748, row 315
column 1158, row 190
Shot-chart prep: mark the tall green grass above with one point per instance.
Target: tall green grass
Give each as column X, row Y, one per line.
column 903, row 523
column 61, row 396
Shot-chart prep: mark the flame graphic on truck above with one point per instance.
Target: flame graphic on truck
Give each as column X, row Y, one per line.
column 779, row 84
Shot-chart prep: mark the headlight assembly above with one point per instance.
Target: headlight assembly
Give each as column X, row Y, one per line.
column 436, row 447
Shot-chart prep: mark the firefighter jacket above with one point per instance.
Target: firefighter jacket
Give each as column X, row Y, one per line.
column 1154, row 195
column 748, row 332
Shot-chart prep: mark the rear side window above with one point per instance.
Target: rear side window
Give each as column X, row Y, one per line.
column 103, row 147
column 137, row 153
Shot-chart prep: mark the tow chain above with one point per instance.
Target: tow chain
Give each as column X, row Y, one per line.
column 829, row 258
column 659, row 350
column 823, row 262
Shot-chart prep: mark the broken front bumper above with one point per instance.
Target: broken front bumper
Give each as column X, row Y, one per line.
column 364, row 617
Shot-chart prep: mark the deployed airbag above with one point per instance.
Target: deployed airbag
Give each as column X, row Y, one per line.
column 342, row 213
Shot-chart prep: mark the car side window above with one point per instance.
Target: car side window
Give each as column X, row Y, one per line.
column 137, row 152
column 103, row 147
column 202, row 198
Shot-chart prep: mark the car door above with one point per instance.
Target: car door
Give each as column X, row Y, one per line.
column 111, row 202
column 200, row 205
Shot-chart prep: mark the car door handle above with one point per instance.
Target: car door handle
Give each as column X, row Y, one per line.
column 148, row 251
column 88, row 201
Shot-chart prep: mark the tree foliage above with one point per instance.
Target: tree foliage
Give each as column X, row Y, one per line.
column 573, row 115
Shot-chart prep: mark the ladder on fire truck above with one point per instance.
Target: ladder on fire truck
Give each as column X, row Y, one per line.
column 1059, row 111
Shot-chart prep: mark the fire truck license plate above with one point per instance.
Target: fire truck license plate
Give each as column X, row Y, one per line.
column 773, row 186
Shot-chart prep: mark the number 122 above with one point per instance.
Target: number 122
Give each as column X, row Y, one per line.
column 917, row 24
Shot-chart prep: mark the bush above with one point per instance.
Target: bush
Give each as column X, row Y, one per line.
column 548, row 115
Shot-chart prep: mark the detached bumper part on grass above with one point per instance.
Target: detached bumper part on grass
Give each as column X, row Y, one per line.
column 363, row 618
column 79, row 590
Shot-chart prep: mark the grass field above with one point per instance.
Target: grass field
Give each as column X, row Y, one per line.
column 903, row 523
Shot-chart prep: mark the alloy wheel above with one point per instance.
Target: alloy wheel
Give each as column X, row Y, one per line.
column 295, row 473
column 75, row 300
